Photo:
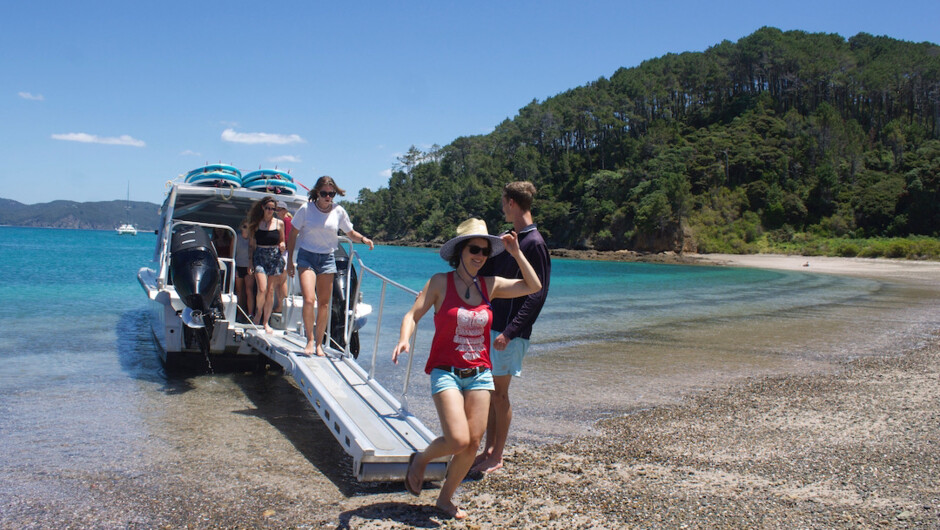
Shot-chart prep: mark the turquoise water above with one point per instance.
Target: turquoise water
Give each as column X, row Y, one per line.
column 82, row 389
column 72, row 295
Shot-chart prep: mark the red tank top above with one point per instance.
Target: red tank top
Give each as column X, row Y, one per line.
column 461, row 331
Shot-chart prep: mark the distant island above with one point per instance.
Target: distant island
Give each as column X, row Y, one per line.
column 101, row 215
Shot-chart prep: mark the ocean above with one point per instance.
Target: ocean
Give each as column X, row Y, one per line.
column 83, row 393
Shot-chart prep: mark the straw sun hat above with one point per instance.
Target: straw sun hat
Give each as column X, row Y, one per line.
column 470, row 229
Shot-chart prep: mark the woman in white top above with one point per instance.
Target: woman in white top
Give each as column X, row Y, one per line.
column 315, row 226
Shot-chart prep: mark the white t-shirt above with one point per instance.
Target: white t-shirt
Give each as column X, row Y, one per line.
column 317, row 231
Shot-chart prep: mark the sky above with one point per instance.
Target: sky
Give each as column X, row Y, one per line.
column 101, row 97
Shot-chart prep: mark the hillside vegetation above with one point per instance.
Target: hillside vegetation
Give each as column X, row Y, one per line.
column 101, row 215
column 783, row 141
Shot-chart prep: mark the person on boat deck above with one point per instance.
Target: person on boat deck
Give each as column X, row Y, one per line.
column 315, row 227
column 267, row 243
column 222, row 240
column 512, row 319
column 284, row 215
column 459, row 360
column 244, row 282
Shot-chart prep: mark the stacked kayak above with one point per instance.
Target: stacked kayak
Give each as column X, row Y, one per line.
column 270, row 181
column 215, row 176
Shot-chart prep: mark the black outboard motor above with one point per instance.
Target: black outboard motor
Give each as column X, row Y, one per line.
column 194, row 271
column 338, row 309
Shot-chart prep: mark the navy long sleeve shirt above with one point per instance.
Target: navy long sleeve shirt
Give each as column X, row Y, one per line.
column 513, row 317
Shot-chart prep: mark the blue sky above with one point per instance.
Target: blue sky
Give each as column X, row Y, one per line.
column 95, row 95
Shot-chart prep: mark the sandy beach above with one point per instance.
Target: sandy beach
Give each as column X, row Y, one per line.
column 857, row 448
column 837, row 444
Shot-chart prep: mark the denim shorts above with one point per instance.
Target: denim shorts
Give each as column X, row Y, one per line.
column 320, row 263
column 442, row 380
column 267, row 260
column 508, row 361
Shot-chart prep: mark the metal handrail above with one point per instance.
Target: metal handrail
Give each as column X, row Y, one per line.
column 231, row 274
column 378, row 325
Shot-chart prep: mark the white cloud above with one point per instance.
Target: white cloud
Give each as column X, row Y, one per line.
column 190, row 152
column 31, row 97
column 387, row 173
column 285, row 158
column 230, row 135
column 106, row 140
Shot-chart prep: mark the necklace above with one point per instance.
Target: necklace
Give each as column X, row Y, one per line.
column 317, row 203
column 473, row 281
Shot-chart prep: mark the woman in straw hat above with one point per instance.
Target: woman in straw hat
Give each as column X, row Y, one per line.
column 459, row 361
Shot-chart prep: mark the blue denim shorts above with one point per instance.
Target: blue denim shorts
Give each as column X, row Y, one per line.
column 508, row 361
column 442, row 380
column 267, row 260
column 320, row 263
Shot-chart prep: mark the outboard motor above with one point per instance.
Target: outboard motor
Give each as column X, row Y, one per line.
column 194, row 270
column 338, row 309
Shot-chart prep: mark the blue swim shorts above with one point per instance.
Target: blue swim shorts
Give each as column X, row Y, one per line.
column 320, row 263
column 442, row 380
column 508, row 361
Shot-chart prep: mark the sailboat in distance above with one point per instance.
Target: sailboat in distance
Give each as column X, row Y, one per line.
column 127, row 228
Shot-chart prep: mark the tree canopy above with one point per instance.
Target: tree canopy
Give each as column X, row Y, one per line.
column 778, row 133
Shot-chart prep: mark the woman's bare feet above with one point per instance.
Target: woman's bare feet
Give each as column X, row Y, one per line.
column 310, row 347
column 451, row 511
column 268, row 329
column 486, row 465
column 320, row 352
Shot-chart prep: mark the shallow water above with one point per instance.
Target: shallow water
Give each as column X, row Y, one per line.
column 83, row 394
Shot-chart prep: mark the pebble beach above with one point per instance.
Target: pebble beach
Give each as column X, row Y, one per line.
column 858, row 447
column 852, row 444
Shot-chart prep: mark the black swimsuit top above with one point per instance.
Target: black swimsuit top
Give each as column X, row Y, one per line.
column 267, row 238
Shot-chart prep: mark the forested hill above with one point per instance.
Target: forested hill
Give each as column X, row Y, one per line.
column 779, row 135
column 102, row 215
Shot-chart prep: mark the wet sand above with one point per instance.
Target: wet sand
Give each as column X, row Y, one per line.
column 805, row 441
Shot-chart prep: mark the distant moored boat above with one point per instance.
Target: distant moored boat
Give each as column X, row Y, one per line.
column 127, row 229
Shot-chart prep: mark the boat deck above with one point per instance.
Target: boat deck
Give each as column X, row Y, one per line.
column 368, row 422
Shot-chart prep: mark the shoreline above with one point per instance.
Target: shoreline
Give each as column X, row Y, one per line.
column 856, row 446
column 852, row 449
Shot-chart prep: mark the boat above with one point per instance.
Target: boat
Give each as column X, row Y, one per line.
column 194, row 317
column 192, row 206
column 215, row 175
column 270, row 181
column 127, row 229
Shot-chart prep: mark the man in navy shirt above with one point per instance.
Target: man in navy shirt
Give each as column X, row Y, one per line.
column 512, row 318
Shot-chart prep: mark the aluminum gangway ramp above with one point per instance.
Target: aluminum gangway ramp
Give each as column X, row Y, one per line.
column 365, row 418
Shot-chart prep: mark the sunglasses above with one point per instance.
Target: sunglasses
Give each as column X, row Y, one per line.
column 477, row 250
column 269, row 209
column 329, row 194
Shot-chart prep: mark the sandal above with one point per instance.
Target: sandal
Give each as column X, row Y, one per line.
column 414, row 491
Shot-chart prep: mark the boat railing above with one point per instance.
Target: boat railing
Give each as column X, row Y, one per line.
column 386, row 282
column 226, row 265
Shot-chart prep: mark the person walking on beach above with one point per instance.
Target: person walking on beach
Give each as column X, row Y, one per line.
column 267, row 243
column 512, row 319
column 315, row 225
column 459, row 359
